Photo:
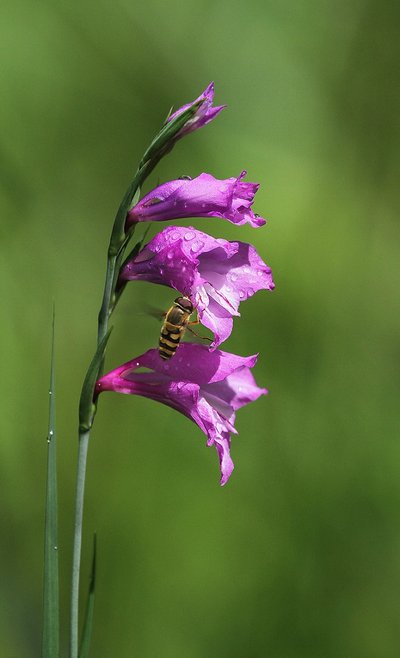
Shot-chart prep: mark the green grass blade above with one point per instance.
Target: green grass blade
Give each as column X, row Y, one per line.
column 88, row 624
column 50, row 638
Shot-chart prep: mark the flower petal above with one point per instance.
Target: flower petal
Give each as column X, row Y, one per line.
column 205, row 113
column 214, row 273
column 207, row 387
column 204, row 196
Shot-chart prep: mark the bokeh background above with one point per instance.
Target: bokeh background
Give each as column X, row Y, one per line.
column 299, row 555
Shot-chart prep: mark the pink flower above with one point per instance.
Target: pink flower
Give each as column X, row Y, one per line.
column 204, row 196
column 204, row 114
column 207, row 387
column 215, row 274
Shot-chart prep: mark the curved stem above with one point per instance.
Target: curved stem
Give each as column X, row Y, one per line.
column 76, row 557
column 162, row 144
column 109, row 285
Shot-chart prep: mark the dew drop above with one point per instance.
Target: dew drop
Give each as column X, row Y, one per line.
column 170, row 254
column 250, row 291
column 189, row 235
column 260, row 273
column 174, row 235
column 233, row 277
column 51, row 433
column 241, row 294
column 196, row 246
column 55, row 548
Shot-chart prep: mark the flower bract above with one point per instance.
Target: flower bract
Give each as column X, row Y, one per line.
column 207, row 387
column 203, row 196
column 204, row 114
column 214, row 273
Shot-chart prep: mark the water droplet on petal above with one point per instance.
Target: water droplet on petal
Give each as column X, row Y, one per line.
column 242, row 294
column 189, row 235
column 196, row 246
column 260, row 273
column 233, row 277
column 170, row 254
column 174, row 235
column 250, row 292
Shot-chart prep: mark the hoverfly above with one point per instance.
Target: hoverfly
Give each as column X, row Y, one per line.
column 176, row 321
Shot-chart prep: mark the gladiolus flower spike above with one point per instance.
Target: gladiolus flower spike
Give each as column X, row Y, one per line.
column 215, row 274
column 207, row 387
column 202, row 382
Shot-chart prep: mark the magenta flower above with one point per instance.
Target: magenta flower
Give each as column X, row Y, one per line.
column 205, row 113
column 204, row 196
column 207, row 387
column 214, row 273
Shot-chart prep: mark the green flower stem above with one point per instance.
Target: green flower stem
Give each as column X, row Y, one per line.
column 161, row 145
column 115, row 255
column 76, row 558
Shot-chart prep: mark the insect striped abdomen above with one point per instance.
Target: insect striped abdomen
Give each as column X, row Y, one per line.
column 172, row 331
column 169, row 339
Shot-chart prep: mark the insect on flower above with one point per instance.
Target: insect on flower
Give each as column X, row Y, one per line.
column 177, row 320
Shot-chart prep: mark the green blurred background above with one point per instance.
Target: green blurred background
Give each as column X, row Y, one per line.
column 299, row 555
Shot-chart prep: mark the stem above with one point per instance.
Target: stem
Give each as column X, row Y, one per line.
column 162, row 144
column 104, row 313
column 76, row 558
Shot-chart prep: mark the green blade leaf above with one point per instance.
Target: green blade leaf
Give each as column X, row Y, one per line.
column 87, row 407
column 50, row 637
column 88, row 623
